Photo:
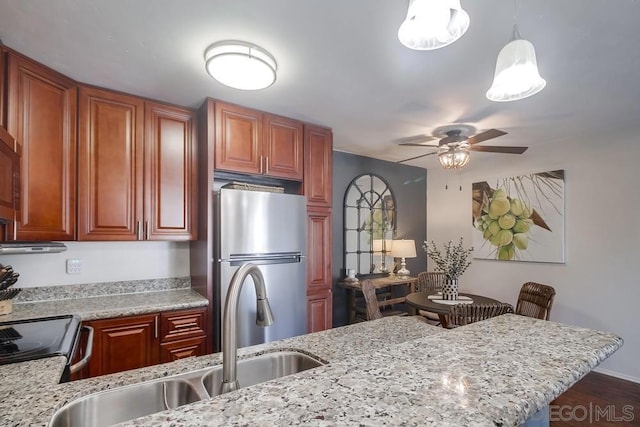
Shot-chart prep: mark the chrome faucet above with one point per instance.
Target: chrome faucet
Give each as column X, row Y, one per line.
column 264, row 317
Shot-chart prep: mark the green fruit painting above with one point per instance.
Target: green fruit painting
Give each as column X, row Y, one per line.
column 520, row 218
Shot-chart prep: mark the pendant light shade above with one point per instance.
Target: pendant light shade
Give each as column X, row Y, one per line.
column 516, row 76
column 454, row 156
column 240, row 65
column 432, row 24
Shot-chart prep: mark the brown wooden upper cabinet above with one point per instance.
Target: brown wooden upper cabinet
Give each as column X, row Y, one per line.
column 41, row 115
column 3, row 77
column 9, row 179
column 135, row 184
column 249, row 141
column 318, row 170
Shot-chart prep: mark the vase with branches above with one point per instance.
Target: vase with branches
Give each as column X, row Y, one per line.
column 453, row 261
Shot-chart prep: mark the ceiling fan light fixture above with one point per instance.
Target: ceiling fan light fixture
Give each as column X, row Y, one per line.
column 516, row 76
column 454, row 156
column 240, row 65
column 432, row 24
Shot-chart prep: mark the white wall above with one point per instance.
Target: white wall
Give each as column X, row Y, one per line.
column 599, row 285
column 102, row 262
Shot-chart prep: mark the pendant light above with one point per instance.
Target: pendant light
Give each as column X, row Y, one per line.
column 516, row 76
column 454, row 156
column 432, row 24
column 240, row 65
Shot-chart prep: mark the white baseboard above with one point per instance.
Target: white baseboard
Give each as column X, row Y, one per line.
column 617, row 375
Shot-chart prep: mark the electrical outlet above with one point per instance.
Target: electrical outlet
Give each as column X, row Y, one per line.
column 74, row 266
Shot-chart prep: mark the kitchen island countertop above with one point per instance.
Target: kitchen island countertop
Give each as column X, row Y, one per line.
column 391, row 371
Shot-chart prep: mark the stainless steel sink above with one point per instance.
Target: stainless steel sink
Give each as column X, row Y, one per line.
column 125, row 403
column 262, row 368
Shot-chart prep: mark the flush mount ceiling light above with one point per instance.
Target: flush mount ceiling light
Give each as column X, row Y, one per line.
column 432, row 24
column 516, row 76
column 240, row 65
column 454, row 155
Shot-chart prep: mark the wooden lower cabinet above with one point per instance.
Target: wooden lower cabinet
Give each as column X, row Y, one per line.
column 183, row 334
column 124, row 343
column 319, row 311
column 132, row 342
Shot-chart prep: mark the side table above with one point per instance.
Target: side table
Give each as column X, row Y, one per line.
column 378, row 283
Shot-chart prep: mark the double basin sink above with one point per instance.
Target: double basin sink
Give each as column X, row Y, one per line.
column 125, row 403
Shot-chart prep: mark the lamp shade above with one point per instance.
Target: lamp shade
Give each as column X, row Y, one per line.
column 432, row 24
column 240, row 65
column 404, row 249
column 516, row 76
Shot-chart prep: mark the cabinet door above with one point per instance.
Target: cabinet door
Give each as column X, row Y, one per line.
column 282, row 147
column 9, row 177
column 110, row 162
column 319, row 311
column 318, row 250
column 318, row 161
column 3, row 76
column 170, row 173
column 238, row 135
column 124, row 343
column 41, row 116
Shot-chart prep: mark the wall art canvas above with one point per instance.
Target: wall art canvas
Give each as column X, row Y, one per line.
column 520, row 218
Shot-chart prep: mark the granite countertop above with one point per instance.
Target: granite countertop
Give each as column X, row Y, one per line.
column 104, row 307
column 105, row 300
column 390, row 371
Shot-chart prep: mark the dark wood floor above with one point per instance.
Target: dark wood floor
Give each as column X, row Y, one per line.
column 598, row 400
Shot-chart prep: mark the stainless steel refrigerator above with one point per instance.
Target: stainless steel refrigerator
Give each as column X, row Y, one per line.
column 269, row 230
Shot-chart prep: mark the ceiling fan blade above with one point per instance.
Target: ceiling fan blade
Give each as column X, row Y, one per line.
column 416, row 144
column 416, row 140
column 505, row 150
column 416, row 157
column 484, row 136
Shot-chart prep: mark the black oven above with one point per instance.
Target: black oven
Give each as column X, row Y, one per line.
column 31, row 339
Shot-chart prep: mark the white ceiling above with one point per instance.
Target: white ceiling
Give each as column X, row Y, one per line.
column 340, row 63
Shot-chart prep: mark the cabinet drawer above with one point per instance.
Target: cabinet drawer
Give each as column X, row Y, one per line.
column 179, row 349
column 182, row 324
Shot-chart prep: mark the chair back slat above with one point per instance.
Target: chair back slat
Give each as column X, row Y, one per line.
column 464, row 314
column 430, row 281
column 371, row 300
column 535, row 300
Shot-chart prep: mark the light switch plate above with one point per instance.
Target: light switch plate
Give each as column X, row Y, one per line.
column 74, row 266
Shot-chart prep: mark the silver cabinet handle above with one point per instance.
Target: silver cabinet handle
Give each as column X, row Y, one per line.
column 76, row 367
column 156, row 326
column 138, row 230
column 146, row 230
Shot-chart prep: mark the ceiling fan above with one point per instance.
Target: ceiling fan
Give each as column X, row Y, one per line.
column 453, row 149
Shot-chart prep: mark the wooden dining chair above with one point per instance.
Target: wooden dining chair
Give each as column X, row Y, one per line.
column 430, row 282
column 464, row 314
column 535, row 300
column 371, row 300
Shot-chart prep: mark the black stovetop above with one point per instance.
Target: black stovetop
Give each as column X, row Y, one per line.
column 32, row 339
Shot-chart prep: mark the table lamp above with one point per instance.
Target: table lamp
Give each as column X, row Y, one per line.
column 384, row 247
column 403, row 249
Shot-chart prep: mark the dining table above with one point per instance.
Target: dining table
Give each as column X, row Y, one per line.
column 433, row 302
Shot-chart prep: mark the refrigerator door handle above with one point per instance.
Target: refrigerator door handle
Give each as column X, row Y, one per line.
column 263, row 259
